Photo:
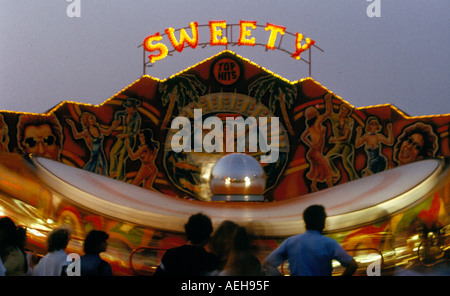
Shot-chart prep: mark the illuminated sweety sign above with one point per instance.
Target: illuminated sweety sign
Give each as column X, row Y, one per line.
column 159, row 50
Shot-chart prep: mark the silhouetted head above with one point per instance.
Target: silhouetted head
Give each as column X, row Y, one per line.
column 198, row 229
column 95, row 242
column 314, row 217
column 58, row 238
column 8, row 233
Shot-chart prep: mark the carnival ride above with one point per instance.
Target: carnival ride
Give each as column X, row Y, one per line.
column 382, row 176
column 391, row 214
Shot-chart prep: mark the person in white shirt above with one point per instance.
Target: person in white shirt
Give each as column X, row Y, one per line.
column 54, row 262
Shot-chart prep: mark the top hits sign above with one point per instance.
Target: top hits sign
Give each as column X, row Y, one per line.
column 159, row 50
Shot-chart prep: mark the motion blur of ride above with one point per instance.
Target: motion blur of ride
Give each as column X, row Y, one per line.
column 382, row 176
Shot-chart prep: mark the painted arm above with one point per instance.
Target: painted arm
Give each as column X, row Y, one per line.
column 390, row 138
column 76, row 134
column 108, row 131
column 133, row 155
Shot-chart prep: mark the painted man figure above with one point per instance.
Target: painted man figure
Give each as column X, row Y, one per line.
column 131, row 123
column 342, row 126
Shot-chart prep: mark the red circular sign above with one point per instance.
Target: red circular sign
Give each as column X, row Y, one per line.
column 226, row 71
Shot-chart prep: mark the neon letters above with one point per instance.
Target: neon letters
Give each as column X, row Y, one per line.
column 218, row 37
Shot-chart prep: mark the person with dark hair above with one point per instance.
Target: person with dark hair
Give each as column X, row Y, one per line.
column 12, row 256
column 55, row 261
column 191, row 259
column 91, row 263
column 241, row 259
column 220, row 243
column 311, row 253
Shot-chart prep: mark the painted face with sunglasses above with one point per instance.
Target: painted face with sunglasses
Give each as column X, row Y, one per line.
column 39, row 140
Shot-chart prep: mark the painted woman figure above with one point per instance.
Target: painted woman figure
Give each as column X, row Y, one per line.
column 314, row 136
column 372, row 139
column 147, row 152
column 93, row 135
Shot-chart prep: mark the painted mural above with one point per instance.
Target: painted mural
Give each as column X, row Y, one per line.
column 323, row 140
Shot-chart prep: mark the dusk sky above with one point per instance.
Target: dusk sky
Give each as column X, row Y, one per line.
column 400, row 57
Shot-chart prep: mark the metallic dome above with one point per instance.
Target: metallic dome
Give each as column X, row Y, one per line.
column 237, row 176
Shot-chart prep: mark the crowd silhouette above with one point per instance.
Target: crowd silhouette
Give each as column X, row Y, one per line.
column 231, row 250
